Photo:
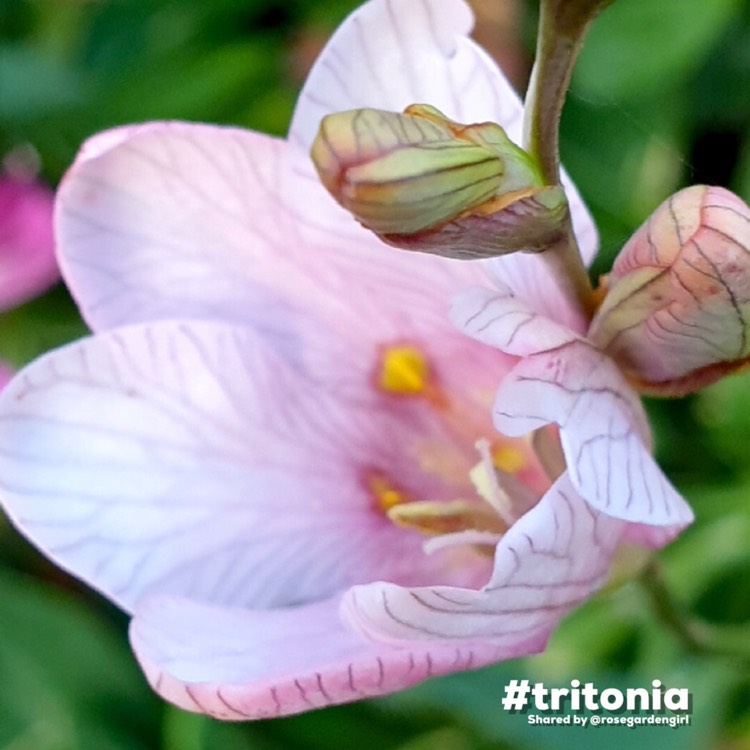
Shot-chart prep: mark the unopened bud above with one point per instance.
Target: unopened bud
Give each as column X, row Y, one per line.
column 421, row 181
column 675, row 316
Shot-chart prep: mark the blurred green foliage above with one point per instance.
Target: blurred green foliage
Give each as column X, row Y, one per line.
column 659, row 100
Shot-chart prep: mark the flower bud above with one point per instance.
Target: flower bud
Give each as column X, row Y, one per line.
column 675, row 316
column 423, row 182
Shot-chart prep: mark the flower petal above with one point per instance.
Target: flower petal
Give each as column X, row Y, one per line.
column 141, row 238
column 27, row 248
column 603, row 429
column 497, row 317
column 532, row 280
column 178, row 220
column 187, row 458
column 565, row 380
column 392, row 53
column 549, row 561
column 653, row 537
column 242, row 664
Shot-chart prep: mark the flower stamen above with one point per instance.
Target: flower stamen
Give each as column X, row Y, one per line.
column 385, row 494
column 404, row 370
column 485, row 480
column 436, row 518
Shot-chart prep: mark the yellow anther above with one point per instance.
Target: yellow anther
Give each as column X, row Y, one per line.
column 386, row 495
column 508, row 459
column 403, row 370
column 432, row 517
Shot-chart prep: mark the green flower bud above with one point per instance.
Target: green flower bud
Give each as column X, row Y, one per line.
column 677, row 310
column 423, row 182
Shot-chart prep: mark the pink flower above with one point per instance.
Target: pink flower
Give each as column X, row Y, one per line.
column 269, row 385
column 27, row 260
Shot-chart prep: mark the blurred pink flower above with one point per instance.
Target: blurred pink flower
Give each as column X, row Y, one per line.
column 6, row 373
column 269, row 385
column 27, row 249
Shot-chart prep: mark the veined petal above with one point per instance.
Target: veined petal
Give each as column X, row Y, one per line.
column 104, row 141
column 532, row 280
column 242, row 664
column 603, row 429
column 675, row 314
column 143, row 238
column 548, row 562
column 188, row 458
column 499, row 318
column 564, row 379
column 389, row 54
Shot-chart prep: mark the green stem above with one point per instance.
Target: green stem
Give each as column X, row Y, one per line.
column 670, row 612
column 565, row 262
column 562, row 28
column 696, row 637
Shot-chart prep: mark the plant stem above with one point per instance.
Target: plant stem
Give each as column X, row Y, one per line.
column 697, row 637
column 564, row 260
column 672, row 614
column 562, row 28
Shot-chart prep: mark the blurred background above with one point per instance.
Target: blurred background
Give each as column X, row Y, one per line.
column 661, row 99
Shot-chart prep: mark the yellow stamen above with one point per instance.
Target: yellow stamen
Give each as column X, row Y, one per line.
column 386, row 495
column 485, row 479
column 507, row 458
column 403, row 370
column 431, row 517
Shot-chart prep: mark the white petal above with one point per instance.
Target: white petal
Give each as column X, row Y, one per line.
column 166, row 220
column 177, row 220
column 565, row 380
column 240, row 664
column 550, row 561
column 603, row 431
column 531, row 280
column 507, row 322
column 190, row 459
column 392, row 53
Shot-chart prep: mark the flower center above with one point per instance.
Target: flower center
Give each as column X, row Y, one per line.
column 385, row 493
column 507, row 458
column 490, row 494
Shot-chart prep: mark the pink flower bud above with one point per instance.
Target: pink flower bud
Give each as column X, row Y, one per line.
column 421, row 181
column 676, row 310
